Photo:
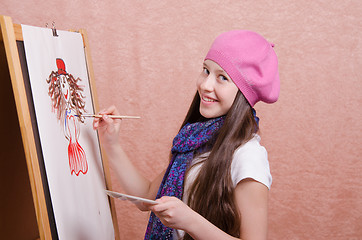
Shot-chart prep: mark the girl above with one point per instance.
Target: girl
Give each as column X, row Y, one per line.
column 67, row 100
column 216, row 185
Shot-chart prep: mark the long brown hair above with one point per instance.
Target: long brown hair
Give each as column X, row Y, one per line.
column 212, row 192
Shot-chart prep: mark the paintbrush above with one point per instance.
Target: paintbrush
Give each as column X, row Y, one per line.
column 110, row 116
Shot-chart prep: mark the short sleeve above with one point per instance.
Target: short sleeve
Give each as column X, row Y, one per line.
column 251, row 161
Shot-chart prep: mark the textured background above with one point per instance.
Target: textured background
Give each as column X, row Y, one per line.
column 148, row 54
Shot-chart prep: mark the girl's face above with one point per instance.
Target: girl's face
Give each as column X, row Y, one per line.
column 216, row 89
column 65, row 87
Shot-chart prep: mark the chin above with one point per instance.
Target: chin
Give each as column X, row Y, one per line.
column 207, row 114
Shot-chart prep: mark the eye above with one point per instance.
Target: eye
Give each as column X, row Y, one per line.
column 205, row 71
column 223, row 78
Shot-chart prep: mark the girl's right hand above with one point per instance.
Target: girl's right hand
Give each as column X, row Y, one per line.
column 108, row 128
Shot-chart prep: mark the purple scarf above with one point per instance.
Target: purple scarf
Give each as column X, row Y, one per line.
column 191, row 138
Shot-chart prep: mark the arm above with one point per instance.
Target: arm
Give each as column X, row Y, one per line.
column 252, row 201
column 129, row 177
column 251, row 198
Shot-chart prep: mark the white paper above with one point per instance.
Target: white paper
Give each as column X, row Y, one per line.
column 76, row 181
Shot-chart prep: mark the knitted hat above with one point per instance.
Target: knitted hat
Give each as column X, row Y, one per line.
column 251, row 63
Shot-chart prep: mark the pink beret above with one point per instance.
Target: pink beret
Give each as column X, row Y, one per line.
column 251, row 63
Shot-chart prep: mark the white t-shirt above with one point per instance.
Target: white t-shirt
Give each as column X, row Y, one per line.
column 249, row 161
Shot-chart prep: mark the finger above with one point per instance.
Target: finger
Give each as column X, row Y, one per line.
column 148, row 206
column 112, row 110
column 164, row 204
column 95, row 124
column 157, row 208
column 107, row 119
column 96, row 121
column 160, row 212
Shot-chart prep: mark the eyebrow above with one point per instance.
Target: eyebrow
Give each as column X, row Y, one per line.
column 220, row 71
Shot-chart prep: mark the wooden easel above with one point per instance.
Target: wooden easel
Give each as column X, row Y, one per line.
column 19, row 148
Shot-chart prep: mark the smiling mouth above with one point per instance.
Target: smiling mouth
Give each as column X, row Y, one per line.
column 206, row 99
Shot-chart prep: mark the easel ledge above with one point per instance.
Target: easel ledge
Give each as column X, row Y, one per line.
column 10, row 33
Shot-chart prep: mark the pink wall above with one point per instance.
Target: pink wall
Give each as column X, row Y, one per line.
column 148, row 54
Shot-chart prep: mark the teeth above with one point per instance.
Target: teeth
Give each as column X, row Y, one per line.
column 207, row 99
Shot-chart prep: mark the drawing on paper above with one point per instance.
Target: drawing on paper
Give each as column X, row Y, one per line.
column 67, row 102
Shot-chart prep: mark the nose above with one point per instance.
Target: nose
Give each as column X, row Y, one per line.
column 207, row 83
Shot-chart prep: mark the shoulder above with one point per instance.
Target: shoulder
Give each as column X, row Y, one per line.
column 251, row 161
column 251, row 150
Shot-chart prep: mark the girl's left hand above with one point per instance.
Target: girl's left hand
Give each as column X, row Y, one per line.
column 173, row 212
